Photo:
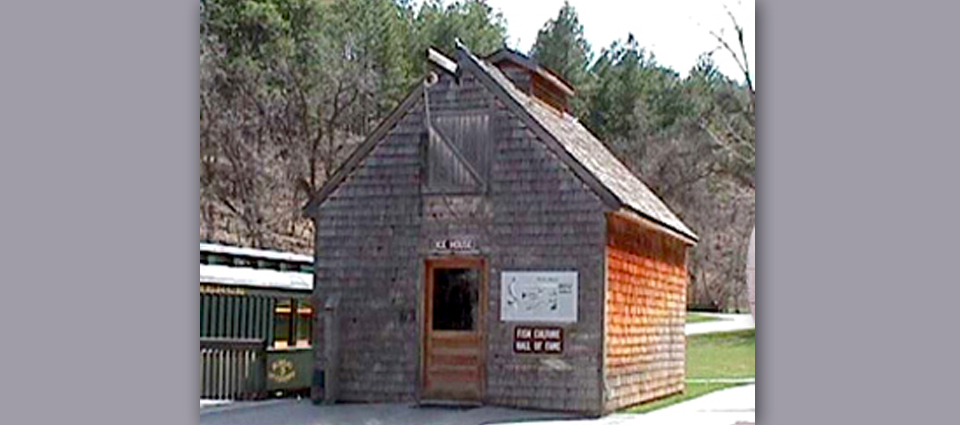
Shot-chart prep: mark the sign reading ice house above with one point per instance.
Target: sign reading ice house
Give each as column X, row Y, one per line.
column 459, row 244
column 538, row 297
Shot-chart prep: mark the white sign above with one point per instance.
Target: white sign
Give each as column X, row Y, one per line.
column 455, row 244
column 538, row 296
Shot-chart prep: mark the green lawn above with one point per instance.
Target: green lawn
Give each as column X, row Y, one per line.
column 693, row 391
column 711, row 356
column 697, row 318
column 721, row 355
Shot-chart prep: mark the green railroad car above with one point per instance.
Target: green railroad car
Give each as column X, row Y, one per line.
column 261, row 299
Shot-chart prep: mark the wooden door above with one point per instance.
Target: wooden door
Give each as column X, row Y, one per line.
column 453, row 364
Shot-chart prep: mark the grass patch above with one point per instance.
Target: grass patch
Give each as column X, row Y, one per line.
column 699, row 318
column 711, row 356
column 693, row 391
column 722, row 355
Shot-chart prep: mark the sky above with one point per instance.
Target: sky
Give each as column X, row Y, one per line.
column 676, row 31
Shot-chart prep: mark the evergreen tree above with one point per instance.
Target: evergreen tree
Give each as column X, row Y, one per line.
column 475, row 23
column 562, row 48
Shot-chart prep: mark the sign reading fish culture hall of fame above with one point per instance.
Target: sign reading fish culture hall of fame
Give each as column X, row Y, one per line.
column 538, row 297
column 537, row 340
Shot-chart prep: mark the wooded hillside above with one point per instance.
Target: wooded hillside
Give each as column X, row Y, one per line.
column 290, row 87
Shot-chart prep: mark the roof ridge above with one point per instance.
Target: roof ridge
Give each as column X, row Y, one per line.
column 591, row 159
column 612, row 173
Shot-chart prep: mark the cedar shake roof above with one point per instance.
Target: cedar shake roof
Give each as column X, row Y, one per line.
column 589, row 157
column 591, row 153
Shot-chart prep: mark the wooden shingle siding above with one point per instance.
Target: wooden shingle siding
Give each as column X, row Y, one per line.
column 367, row 236
column 544, row 218
column 645, row 314
column 535, row 215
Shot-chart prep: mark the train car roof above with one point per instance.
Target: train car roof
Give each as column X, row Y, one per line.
column 251, row 252
column 259, row 278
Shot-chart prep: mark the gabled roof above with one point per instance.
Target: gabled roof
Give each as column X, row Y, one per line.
column 587, row 150
column 581, row 150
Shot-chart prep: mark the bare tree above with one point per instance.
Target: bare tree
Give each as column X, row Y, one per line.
column 731, row 125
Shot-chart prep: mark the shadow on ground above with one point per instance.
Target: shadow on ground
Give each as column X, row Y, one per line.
column 304, row 412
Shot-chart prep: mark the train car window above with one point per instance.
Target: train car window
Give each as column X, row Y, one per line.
column 283, row 324
column 268, row 264
column 304, row 324
column 215, row 259
column 204, row 258
column 242, row 262
column 306, row 268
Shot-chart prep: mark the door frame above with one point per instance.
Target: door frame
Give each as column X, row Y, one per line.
column 431, row 263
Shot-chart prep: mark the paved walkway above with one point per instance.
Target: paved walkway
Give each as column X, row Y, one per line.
column 727, row 323
column 726, row 407
column 304, row 412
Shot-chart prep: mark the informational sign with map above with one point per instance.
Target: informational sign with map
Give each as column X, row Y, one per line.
column 546, row 296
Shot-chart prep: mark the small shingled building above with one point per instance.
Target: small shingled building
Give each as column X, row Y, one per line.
column 484, row 247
